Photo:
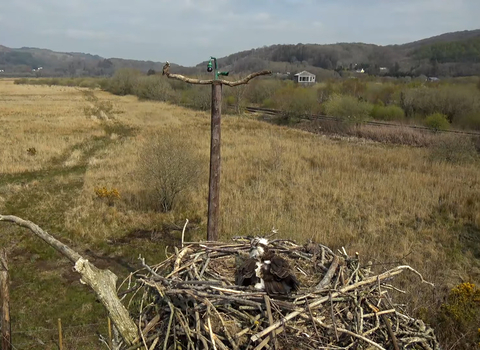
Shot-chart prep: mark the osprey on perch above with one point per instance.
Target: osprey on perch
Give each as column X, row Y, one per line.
column 266, row 271
column 166, row 68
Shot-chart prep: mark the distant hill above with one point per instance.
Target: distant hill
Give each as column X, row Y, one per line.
column 452, row 54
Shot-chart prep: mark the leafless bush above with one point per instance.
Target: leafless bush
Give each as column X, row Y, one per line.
column 168, row 167
column 453, row 149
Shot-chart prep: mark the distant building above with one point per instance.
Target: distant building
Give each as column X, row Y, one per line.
column 360, row 70
column 304, row 78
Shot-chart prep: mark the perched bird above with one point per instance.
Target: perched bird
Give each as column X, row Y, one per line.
column 266, row 271
column 278, row 277
column 248, row 273
column 166, row 67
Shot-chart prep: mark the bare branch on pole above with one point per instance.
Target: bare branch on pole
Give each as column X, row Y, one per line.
column 244, row 80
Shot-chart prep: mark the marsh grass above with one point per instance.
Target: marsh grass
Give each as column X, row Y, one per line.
column 389, row 203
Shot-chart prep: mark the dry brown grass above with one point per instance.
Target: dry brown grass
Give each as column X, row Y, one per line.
column 389, row 203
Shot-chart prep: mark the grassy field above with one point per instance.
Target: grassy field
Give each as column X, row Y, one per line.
column 392, row 204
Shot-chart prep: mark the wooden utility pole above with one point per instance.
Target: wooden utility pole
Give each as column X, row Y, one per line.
column 214, row 178
column 4, row 291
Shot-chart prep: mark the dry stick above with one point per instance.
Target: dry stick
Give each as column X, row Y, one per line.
column 183, row 231
column 169, row 325
column 346, row 331
column 154, row 343
column 138, row 345
column 180, row 256
column 379, row 313
column 270, row 319
column 333, row 316
column 102, row 282
column 184, row 323
column 390, row 331
column 204, row 266
column 227, row 333
column 110, row 342
column 140, row 322
column 197, row 325
column 311, row 318
column 390, row 273
column 262, row 344
column 60, row 338
column 153, row 322
column 210, row 328
column 328, row 276
column 6, row 342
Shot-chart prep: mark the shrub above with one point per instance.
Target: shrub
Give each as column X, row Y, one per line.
column 197, row 97
column 348, row 107
column 437, row 121
column 123, row 81
column 453, row 149
column 21, row 81
column 168, row 167
column 152, row 87
column 453, row 101
column 381, row 93
column 470, row 121
column 387, row 112
column 353, row 87
column 459, row 317
column 296, row 101
column 262, row 89
column 108, row 195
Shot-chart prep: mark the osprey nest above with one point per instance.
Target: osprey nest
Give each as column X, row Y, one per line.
column 193, row 300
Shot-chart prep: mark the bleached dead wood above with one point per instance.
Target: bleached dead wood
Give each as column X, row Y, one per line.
column 103, row 282
column 5, row 304
column 245, row 80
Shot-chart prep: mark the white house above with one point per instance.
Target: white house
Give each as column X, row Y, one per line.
column 304, row 77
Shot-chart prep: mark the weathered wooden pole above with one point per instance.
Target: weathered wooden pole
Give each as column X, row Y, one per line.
column 4, row 291
column 214, row 178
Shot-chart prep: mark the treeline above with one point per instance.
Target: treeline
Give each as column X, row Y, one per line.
column 448, row 103
column 453, row 51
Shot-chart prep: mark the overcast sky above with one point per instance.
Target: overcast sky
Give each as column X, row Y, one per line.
column 190, row 31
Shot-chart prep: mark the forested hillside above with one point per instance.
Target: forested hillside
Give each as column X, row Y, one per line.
column 451, row 54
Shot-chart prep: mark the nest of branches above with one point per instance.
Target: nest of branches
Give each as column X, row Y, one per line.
column 190, row 301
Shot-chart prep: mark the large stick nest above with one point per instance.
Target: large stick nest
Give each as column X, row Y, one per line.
column 190, row 301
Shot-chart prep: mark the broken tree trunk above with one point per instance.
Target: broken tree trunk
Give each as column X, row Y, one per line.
column 103, row 282
column 5, row 297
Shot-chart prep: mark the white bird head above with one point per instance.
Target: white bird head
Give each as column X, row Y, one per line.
column 258, row 247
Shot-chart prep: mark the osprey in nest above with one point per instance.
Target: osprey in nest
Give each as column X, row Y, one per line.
column 266, row 271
